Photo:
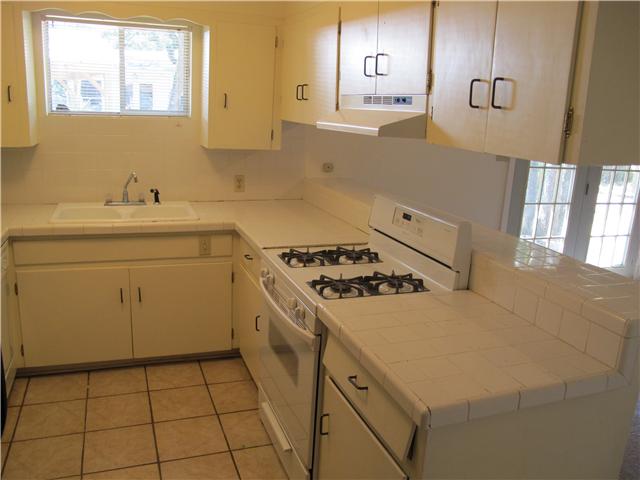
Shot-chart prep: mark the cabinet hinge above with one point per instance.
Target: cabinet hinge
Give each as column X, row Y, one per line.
column 429, row 81
column 15, row 288
column 431, row 113
column 233, row 277
column 435, row 3
column 586, row 189
column 233, row 334
column 276, row 42
column 22, row 350
column 272, row 135
column 568, row 123
column 339, row 27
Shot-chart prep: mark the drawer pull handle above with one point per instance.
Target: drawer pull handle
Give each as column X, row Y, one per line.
column 493, row 93
column 353, row 380
column 322, row 431
column 121, row 296
column 248, row 257
column 139, row 295
column 257, row 318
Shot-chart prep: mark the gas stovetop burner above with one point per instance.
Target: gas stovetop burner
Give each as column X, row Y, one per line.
column 337, row 256
column 298, row 258
column 366, row 286
column 329, row 287
column 391, row 284
column 348, row 256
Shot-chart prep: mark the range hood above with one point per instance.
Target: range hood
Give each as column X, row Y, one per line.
column 379, row 116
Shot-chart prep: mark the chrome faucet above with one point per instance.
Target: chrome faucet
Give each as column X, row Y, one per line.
column 125, row 194
column 125, row 191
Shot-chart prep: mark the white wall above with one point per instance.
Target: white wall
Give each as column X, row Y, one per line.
column 468, row 184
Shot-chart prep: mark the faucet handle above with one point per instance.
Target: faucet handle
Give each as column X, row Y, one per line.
column 156, row 196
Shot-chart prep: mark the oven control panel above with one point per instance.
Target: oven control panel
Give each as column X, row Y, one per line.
column 408, row 221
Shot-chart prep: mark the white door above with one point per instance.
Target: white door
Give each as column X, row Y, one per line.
column 403, row 48
column 74, row 315
column 243, row 78
column 461, row 64
column 248, row 305
column 348, row 449
column 181, row 309
column 358, row 48
column 531, row 75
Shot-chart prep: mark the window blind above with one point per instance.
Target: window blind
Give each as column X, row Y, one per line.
column 98, row 66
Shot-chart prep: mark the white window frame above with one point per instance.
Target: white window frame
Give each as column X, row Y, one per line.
column 583, row 204
column 105, row 20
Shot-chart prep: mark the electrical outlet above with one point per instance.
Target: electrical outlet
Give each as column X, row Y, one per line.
column 327, row 167
column 204, row 246
column 238, row 183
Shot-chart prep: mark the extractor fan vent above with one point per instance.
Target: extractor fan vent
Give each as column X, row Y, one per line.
column 384, row 100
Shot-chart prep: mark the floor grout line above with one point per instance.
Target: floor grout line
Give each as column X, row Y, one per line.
column 84, row 432
column 153, row 428
column 226, row 440
column 15, row 428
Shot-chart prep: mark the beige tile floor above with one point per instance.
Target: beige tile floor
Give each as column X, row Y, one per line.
column 189, row 420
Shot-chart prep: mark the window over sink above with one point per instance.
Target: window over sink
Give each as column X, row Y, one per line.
column 102, row 66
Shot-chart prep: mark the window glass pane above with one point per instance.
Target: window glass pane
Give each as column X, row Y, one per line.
column 547, row 204
column 96, row 66
column 82, row 64
column 614, row 216
column 534, row 185
column 549, row 185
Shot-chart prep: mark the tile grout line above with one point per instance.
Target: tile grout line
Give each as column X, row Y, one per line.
column 15, row 428
column 84, row 430
column 153, row 428
column 226, row 440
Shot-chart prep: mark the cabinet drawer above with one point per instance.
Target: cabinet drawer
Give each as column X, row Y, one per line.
column 377, row 407
column 52, row 251
column 249, row 258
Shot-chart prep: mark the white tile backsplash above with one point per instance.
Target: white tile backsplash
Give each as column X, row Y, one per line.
column 526, row 304
column 603, row 345
column 549, row 316
column 574, row 330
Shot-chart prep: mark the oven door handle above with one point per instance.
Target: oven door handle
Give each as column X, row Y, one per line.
column 304, row 335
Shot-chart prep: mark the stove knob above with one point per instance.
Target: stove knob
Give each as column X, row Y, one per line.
column 264, row 272
column 299, row 312
column 292, row 303
column 269, row 280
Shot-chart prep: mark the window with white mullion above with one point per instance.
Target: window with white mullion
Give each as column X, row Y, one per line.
column 547, row 204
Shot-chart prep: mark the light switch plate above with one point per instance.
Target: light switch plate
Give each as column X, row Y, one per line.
column 204, row 246
column 238, row 183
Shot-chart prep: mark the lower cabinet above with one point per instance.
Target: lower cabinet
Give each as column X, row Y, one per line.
column 247, row 306
column 348, row 449
column 10, row 334
column 180, row 309
column 75, row 315
column 83, row 315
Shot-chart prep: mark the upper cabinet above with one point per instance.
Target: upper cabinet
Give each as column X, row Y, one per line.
column 309, row 64
column 384, row 48
column 238, row 87
column 535, row 80
column 18, row 80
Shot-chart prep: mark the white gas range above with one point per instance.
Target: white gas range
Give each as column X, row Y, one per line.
column 411, row 251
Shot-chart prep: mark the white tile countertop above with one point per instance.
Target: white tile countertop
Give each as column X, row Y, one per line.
column 265, row 224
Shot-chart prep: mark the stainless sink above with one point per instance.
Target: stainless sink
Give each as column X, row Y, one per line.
column 99, row 213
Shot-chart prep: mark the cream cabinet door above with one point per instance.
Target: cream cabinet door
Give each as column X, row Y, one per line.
column 532, row 66
column 240, row 87
column 180, row 309
column 358, row 47
column 403, row 47
column 10, row 110
column 348, row 449
column 294, row 70
column 10, row 349
column 247, row 308
column 461, row 64
column 74, row 315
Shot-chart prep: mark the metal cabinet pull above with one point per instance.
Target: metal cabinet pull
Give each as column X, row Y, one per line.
column 256, row 326
column 322, row 417
column 225, row 100
column 493, row 93
column 139, row 295
column 121, row 296
column 248, row 257
column 298, row 96
column 378, row 55
column 365, row 65
column 353, row 380
column 473, row 82
column 302, row 95
column 9, row 94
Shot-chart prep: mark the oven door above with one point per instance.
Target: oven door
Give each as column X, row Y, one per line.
column 289, row 359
